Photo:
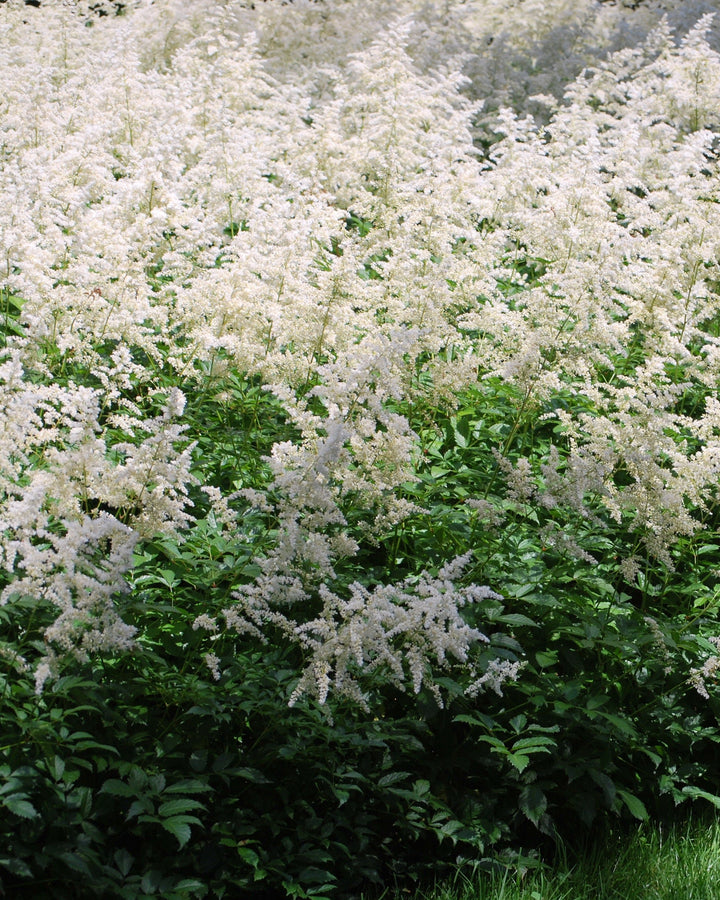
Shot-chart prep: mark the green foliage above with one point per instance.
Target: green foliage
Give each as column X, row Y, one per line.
column 602, row 719
column 148, row 778
column 10, row 309
column 144, row 776
column 649, row 862
column 178, row 770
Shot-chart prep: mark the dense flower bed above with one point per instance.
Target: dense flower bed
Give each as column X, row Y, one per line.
column 359, row 372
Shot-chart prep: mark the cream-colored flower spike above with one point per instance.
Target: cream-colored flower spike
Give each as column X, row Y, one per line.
column 310, row 203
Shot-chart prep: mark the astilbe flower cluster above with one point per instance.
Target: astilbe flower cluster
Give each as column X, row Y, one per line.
column 397, row 627
column 75, row 499
column 704, row 678
column 214, row 185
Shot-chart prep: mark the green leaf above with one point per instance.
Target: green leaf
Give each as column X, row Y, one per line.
column 181, row 805
column 516, row 619
column 518, row 723
column 75, row 862
column 496, row 744
column 20, row 806
column 603, row 781
column 198, row 760
column 124, row 861
column 189, row 786
column 254, row 775
column 392, row 778
column 117, row 788
column 534, row 744
column 533, row 803
column 696, row 793
column 17, row 867
column 477, row 719
column 421, row 788
column 80, row 746
column 517, row 591
column 651, row 755
column 621, row 724
column 137, row 779
column 14, row 785
column 151, row 881
column 597, row 700
column 248, row 855
column 191, row 884
column 222, row 761
column 57, row 768
column 518, row 761
column 634, row 805
column 179, row 827
column 314, row 875
column 143, row 805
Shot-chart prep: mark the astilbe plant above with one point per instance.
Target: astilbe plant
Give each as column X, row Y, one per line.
column 230, row 215
column 222, row 216
column 76, row 498
column 388, row 249
column 619, row 259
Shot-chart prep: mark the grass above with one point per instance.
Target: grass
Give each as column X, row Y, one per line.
column 651, row 863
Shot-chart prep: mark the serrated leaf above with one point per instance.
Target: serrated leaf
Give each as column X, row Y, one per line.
column 179, row 806
column 518, row 723
column 137, row 779
column 17, row 867
column 517, row 591
column 94, row 745
column 596, row 701
column 248, row 855
column 75, row 862
column 621, row 724
column 189, row 786
column 180, row 830
column 634, row 804
column 190, row 884
column 254, row 775
column 124, row 861
column 57, row 769
column 314, row 875
column 156, row 783
column 504, row 641
column 460, row 439
column 392, row 778
column 467, row 719
column 20, row 807
column 518, row 760
column 534, row 744
column 144, row 805
column 179, row 827
column 533, row 803
column 697, row 794
column 222, row 761
column 604, row 781
column 84, row 798
column 117, row 788
column 517, row 619
column 494, row 742
column 421, row 788
column 151, row 881
column 12, row 786
column 198, row 760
